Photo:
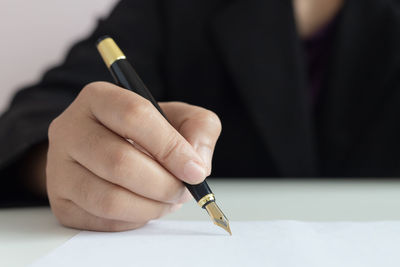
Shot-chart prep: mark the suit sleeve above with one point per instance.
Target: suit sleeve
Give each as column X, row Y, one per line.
column 136, row 26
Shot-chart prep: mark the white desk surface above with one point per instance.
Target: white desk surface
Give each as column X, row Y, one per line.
column 28, row 234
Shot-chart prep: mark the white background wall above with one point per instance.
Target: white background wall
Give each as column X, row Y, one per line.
column 34, row 35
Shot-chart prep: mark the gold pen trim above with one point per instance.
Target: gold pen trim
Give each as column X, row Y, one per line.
column 205, row 199
column 110, row 51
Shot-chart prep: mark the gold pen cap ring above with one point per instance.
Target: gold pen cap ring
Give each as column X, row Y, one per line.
column 207, row 198
column 109, row 50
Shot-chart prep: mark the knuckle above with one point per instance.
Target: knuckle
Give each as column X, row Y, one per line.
column 86, row 95
column 92, row 88
column 118, row 161
column 137, row 110
column 87, row 91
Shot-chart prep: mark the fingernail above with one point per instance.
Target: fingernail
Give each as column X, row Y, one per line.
column 175, row 207
column 193, row 172
column 206, row 155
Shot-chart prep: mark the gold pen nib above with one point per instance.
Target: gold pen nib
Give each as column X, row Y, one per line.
column 217, row 216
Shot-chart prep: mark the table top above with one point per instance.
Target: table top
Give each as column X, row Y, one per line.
column 30, row 233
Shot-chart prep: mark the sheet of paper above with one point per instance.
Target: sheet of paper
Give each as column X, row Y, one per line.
column 277, row 243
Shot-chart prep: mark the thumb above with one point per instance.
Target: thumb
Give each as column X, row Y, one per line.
column 199, row 126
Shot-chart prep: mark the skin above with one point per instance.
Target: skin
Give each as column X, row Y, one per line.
column 98, row 180
column 114, row 163
column 311, row 15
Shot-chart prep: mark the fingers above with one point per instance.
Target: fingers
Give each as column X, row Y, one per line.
column 135, row 118
column 114, row 161
column 117, row 161
column 107, row 200
column 199, row 126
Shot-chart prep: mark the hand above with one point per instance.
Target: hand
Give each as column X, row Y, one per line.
column 114, row 163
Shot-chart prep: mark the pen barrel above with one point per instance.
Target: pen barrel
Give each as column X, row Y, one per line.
column 125, row 76
column 198, row 191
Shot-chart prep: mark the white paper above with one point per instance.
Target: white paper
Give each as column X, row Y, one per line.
column 277, row 243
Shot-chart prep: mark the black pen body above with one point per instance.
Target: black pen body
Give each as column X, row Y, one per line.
column 125, row 76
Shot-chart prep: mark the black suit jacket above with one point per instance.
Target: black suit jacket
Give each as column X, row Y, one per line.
column 244, row 60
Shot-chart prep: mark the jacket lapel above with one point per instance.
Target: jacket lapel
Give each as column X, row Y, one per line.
column 259, row 44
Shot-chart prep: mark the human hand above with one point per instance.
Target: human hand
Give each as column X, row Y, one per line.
column 114, row 163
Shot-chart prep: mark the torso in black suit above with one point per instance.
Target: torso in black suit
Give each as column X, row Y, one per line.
column 244, row 60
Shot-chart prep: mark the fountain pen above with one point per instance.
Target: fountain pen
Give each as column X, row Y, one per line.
column 125, row 76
